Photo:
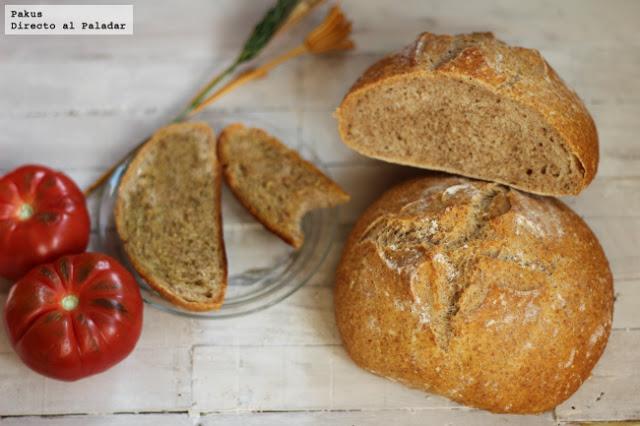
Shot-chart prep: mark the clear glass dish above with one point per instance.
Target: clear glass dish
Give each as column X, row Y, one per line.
column 263, row 270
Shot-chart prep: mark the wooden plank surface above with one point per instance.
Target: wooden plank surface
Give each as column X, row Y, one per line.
column 79, row 103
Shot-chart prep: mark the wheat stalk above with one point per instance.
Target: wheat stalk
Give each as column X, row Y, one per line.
column 275, row 18
column 332, row 35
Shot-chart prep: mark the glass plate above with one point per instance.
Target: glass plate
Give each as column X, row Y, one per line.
column 263, row 270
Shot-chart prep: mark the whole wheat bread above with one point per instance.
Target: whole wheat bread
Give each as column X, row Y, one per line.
column 491, row 297
column 168, row 216
column 472, row 105
column 273, row 182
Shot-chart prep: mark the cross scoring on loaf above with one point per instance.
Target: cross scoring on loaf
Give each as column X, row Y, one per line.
column 436, row 243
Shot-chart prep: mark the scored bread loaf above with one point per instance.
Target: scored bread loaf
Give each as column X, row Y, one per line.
column 472, row 105
column 273, row 182
column 168, row 216
column 491, row 297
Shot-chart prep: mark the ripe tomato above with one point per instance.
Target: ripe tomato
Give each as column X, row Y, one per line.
column 43, row 215
column 75, row 317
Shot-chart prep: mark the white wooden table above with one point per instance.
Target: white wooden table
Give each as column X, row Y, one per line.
column 78, row 103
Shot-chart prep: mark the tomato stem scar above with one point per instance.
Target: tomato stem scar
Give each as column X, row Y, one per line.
column 25, row 212
column 69, row 302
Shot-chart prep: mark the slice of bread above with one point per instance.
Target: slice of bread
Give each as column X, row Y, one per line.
column 273, row 182
column 168, row 216
column 472, row 105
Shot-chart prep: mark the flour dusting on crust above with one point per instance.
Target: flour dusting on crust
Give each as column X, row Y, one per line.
column 429, row 241
column 536, row 218
column 475, row 289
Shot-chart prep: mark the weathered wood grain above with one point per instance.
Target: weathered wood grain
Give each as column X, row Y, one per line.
column 202, row 28
column 285, row 378
column 148, row 380
column 450, row 417
column 166, row 419
column 625, row 312
column 612, row 391
column 456, row 417
column 306, row 318
column 79, row 103
column 541, row 23
column 92, row 143
column 294, row 378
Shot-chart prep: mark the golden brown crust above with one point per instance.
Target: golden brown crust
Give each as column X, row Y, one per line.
column 516, row 73
column 494, row 298
column 129, row 175
column 334, row 191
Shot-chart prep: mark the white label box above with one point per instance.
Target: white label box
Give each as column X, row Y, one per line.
column 41, row 19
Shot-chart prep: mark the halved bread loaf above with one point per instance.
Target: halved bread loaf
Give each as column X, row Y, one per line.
column 273, row 182
column 472, row 105
column 168, row 216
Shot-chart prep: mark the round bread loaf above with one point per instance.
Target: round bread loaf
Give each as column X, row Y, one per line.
column 491, row 297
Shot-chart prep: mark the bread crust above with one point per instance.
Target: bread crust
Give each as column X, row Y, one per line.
column 335, row 191
column 491, row 297
column 129, row 175
column 516, row 73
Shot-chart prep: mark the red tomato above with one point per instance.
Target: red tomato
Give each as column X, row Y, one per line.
column 43, row 215
column 75, row 317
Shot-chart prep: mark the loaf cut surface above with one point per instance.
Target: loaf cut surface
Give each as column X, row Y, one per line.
column 475, row 291
column 168, row 216
column 472, row 105
column 273, row 182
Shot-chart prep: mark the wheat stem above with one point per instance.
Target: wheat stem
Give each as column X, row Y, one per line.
column 331, row 35
column 202, row 93
column 248, row 76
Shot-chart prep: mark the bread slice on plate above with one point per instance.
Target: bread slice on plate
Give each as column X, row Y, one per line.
column 273, row 182
column 168, row 216
column 472, row 105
